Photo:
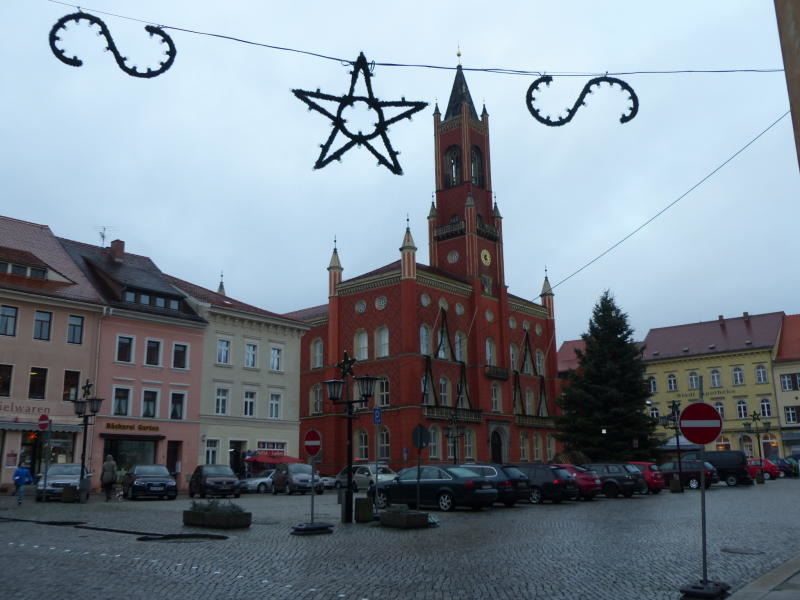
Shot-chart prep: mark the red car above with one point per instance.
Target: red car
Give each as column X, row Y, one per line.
column 771, row 470
column 588, row 481
column 653, row 478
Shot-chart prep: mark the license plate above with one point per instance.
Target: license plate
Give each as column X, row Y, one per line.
column 157, row 488
column 522, row 485
column 485, row 486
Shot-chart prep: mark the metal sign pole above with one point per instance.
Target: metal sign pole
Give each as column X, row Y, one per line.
column 703, row 509
column 48, row 451
column 313, row 487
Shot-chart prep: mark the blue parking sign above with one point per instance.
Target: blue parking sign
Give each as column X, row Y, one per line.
column 376, row 416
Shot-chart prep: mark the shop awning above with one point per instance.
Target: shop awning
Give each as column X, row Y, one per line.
column 272, row 458
column 29, row 426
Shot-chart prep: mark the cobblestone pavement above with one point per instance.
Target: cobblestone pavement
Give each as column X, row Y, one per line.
column 645, row 547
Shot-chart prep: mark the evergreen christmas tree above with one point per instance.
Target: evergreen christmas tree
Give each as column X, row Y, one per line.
column 604, row 402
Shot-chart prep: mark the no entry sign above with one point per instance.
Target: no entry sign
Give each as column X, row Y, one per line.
column 700, row 423
column 44, row 422
column 312, row 442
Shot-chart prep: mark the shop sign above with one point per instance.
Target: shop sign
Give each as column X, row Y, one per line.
column 131, row 427
column 22, row 409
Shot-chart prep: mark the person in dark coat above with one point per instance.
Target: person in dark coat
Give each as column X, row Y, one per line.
column 108, row 477
column 21, row 476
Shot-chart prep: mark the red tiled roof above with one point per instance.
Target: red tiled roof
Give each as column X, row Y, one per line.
column 789, row 346
column 220, row 300
column 309, row 314
column 22, row 257
column 39, row 241
column 567, row 359
column 747, row 332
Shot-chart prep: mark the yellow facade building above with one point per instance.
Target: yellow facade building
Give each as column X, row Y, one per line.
column 732, row 361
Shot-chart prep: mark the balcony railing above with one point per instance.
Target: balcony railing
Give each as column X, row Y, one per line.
column 450, row 230
column 446, row 412
column 530, row 421
column 496, row 372
column 488, row 231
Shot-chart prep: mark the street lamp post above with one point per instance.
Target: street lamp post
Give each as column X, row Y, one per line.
column 671, row 420
column 757, row 426
column 452, row 433
column 81, row 405
column 338, row 394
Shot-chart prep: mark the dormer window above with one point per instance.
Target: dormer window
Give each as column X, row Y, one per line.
column 38, row 273
column 129, row 296
column 160, row 302
column 144, row 299
column 452, row 167
column 174, row 304
column 19, row 270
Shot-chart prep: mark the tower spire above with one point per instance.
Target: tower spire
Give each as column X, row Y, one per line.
column 221, row 288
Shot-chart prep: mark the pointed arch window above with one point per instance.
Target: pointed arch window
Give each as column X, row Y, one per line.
column 382, row 341
column 537, row 447
column 540, row 363
column 361, row 344
column 523, row 446
column 497, row 398
column 551, row 446
column 316, row 400
column 433, row 446
column 384, row 443
column 469, row 443
column 514, row 355
column 426, row 390
column 529, row 402
column 316, row 354
column 543, row 412
column 363, row 444
column 490, row 353
column 444, row 391
column 452, row 167
column 476, row 166
column 461, row 347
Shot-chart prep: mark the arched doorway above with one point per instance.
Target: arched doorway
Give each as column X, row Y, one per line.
column 497, row 447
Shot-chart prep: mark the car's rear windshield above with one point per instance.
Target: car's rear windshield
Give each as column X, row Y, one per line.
column 217, row 470
column 158, row 470
column 562, row 473
column 514, row 472
column 385, row 471
column 64, row 470
column 632, row 469
column 300, row 468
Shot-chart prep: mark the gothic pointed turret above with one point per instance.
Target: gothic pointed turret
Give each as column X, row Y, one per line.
column 221, row 287
column 460, row 96
column 408, row 257
column 547, row 296
column 334, row 273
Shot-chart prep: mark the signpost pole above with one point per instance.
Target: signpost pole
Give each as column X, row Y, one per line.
column 313, row 487
column 312, row 444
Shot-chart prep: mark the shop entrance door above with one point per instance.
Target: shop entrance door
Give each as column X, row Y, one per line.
column 236, row 453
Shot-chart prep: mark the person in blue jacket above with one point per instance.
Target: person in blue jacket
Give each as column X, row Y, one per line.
column 21, row 476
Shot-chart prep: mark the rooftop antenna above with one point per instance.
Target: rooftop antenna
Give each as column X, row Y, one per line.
column 101, row 229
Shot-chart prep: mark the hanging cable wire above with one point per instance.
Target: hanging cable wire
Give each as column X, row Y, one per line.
column 493, row 70
column 671, row 204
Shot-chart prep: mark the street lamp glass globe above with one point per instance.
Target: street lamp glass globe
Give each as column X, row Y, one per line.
column 94, row 405
column 334, row 388
column 79, row 404
column 366, row 384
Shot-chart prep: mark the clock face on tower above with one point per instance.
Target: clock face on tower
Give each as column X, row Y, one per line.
column 486, row 257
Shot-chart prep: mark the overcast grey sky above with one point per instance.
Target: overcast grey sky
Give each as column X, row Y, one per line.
column 209, row 166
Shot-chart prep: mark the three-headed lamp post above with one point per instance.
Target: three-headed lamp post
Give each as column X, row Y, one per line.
column 757, row 426
column 337, row 392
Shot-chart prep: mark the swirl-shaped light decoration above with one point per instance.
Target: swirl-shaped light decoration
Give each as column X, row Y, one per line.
column 587, row 89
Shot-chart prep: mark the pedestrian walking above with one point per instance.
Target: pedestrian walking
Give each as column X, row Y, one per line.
column 109, row 476
column 21, row 477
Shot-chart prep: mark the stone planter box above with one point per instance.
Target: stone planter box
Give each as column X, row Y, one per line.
column 217, row 520
column 406, row 519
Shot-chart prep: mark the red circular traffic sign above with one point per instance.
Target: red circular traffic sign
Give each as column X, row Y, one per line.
column 44, row 422
column 312, row 442
column 700, row 423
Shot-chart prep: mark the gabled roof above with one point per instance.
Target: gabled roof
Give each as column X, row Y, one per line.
column 789, row 346
column 460, row 96
column 567, row 359
column 747, row 332
column 35, row 245
column 133, row 272
column 221, row 300
column 307, row 315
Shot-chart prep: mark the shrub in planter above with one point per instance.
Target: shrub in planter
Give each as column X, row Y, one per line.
column 217, row 515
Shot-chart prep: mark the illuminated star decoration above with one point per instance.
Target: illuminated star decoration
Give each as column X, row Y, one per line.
column 370, row 139
column 587, row 89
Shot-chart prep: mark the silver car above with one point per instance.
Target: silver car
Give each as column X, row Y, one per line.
column 58, row 477
column 364, row 475
column 261, row 484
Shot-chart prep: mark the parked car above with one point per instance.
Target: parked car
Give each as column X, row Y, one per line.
column 261, row 484
column 731, row 465
column 510, row 482
column 549, row 482
column 770, row 469
column 653, row 481
column 588, row 482
column 616, row 479
column 364, row 476
column 149, row 480
column 787, row 466
column 443, row 486
column 58, row 477
column 328, row 481
column 214, row 480
column 690, row 473
column 295, row 477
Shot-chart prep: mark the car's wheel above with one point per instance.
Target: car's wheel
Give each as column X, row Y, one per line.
column 535, row 495
column 381, row 501
column 262, row 488
column 694, row 483
column 445, row 501
column 767, row 475
column 731, row 480
column 610, row 490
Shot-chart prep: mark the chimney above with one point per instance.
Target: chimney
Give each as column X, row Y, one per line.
column 117, row 250
column 746, row 316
